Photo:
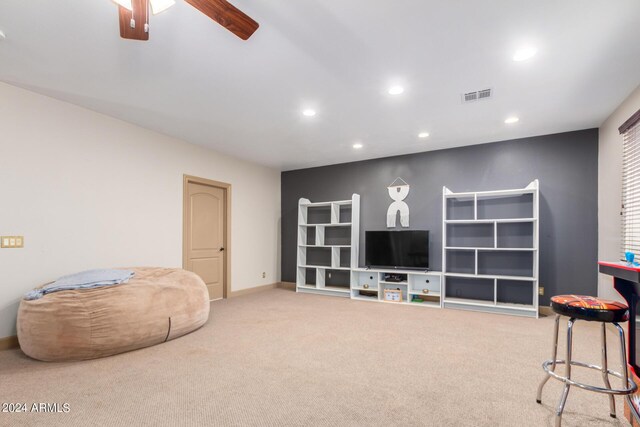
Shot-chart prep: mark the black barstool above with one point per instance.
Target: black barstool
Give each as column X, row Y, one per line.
column 579, row 307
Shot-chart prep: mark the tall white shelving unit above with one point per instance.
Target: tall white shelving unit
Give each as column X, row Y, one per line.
column 490, row 250
column 328, row 239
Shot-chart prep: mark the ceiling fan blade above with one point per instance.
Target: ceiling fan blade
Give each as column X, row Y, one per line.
column 140, row 15
column 227, row 15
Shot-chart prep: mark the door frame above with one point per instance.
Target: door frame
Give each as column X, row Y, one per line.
column 226, row 188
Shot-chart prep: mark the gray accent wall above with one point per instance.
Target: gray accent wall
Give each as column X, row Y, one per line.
column 566, row 165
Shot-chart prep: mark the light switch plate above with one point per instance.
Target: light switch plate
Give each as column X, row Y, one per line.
column 12, row 242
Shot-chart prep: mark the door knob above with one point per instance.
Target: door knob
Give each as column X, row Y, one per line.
column 221, row 249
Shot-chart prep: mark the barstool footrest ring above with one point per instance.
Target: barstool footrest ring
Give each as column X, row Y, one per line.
column 631, row 386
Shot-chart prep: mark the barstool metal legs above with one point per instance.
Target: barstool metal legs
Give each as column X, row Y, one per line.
column 554, row 356
column 605, row 372
column 623, row 354
column 549, row 367
column 567, row 386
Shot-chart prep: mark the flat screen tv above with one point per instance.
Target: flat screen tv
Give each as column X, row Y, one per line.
column 408, row 249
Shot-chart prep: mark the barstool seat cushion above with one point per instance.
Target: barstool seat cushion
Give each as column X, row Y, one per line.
column 590, row 308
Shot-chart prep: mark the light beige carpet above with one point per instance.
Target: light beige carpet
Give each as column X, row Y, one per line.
column 278, row 358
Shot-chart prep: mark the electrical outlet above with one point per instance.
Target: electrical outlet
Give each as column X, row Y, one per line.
column 541, row 290
column 264, row 275
column 12, row 241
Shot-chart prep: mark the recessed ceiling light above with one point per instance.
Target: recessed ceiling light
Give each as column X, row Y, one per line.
column 423, row 134
column 357, row 145
column 511, row 120
column 309, row 112
column 524, row 53
column 396, row 90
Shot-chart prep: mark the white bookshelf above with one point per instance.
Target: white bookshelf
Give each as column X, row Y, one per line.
column 328, row 239
column 490, row 251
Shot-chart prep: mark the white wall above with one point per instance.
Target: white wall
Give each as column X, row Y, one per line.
column 610, row 189
column 89, row 191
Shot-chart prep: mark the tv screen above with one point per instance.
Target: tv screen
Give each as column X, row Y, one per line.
column 397, row 249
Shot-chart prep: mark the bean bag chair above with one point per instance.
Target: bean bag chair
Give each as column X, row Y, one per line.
column 156, row 305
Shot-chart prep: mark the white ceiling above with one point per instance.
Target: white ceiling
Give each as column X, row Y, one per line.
column 196, row 81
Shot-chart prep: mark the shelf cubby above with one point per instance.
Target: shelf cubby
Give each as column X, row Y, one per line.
column 310, row 233
column 469, row 289
column 360, row 279
column 462, row 208
column 344, row 256
column 306, row 277
column 508, row 206
column 427, row 300
column 337, row 235
column 337, row 279
column 514, row 292
column 430, row 282
column 363, row 294
column 506, row 263
column 387, row 277
column 344, row 214
column 319, row 256
column 461, row 261
column 515, row 235
column 403, row 287
column 470, row 235
column 318, row 215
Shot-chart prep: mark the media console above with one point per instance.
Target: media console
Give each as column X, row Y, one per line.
column 417, row 287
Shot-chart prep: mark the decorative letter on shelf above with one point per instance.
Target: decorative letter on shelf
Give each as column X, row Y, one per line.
column 398, row 193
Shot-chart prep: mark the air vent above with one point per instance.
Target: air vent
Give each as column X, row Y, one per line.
column 471, row 96
column 478, row 95
column 485, row 93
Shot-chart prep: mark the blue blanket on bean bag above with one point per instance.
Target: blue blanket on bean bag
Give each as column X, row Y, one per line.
column 84, row 280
